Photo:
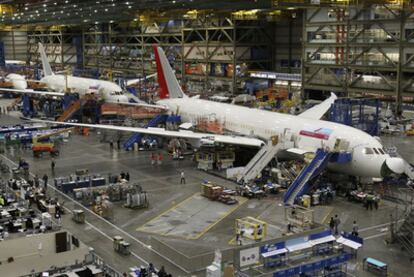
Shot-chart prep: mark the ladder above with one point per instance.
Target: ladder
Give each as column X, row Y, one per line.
column 261, row 160
column 303, row 181
column 136, row 137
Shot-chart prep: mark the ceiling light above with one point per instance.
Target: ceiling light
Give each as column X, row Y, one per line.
column 26, row 8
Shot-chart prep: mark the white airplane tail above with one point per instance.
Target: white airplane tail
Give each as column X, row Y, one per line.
column 47, row 70
column 169, row 86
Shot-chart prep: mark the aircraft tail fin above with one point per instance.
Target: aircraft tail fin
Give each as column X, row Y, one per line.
column 169, row 86
column 47, row 70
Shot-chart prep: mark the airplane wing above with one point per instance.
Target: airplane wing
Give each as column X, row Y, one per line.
column 139, row 80
column 34, row 92
column 201, row 138
column 317, row 111
column 141, row 104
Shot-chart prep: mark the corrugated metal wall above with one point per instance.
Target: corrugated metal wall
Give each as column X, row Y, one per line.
column 15, row 44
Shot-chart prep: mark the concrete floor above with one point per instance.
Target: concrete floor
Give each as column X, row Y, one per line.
column 165, row 192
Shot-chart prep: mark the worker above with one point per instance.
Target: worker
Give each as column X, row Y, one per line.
column 151, row 269
column 36, row 181
column 337, row 221
column 161, row 272
column 259, row 232
column 58, row 216
column 182, row 181
column 45, row 180
column 111, row 145
column 332, row 224
column 355, row 228
column 127, row 176
column 369, row 199
column 52, row 166
column 376, row 201
column 160, row 158
column 152, row 158
column 143, row 272
column 118, row 144
column 238, row 238
column 1, row 201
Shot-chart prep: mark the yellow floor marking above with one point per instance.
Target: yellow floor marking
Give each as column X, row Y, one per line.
column 144, row 229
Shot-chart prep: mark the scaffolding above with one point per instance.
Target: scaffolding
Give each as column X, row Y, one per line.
column 62, row 45
column 359, row 50
column 203, row 49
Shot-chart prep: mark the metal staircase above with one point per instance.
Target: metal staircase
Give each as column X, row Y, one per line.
column 75, row 106
column 402, row 227
column 290, row 173
column 303, row 181
column 136, row 137
column 70, row 111
column 262, row 159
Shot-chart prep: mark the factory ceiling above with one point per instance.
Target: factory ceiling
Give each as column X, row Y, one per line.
column 19, row 12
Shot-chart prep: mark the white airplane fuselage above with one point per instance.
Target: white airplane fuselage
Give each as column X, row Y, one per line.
column 108, row 91
column 308, row 134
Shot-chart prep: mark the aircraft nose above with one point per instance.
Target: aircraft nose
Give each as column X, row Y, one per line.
column 395, row 165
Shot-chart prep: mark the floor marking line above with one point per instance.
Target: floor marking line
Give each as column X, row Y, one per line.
column 376, row 236
column 377, row 226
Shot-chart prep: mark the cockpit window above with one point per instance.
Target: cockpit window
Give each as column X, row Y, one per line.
column 376, row 151
column 381, row 151
column 368, row 151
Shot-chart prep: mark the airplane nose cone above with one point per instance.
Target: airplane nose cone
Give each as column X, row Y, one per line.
column 396, row 165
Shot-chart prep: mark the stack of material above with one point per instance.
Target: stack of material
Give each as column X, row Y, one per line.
column 211, row 191
column 136, row 197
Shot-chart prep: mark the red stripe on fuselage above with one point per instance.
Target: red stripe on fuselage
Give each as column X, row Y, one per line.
column 314, row 135
column 164, row 93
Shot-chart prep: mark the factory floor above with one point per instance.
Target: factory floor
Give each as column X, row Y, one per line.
column 168, row 198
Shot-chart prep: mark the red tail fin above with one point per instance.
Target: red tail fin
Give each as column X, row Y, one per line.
column 161, row 77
